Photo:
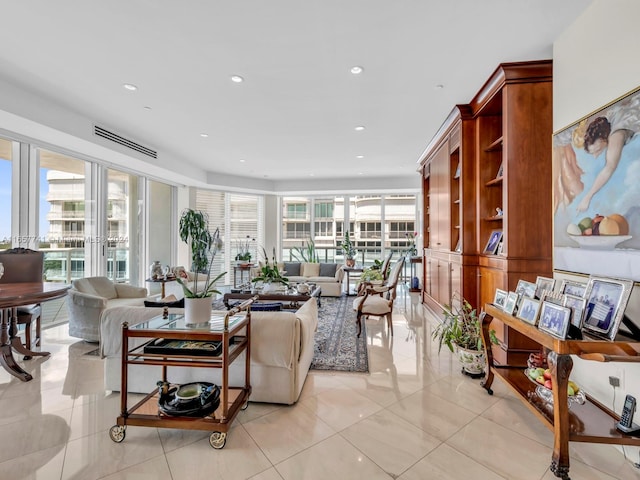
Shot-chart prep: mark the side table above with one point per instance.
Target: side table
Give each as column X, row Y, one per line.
column 349, row 271
column 161, row 281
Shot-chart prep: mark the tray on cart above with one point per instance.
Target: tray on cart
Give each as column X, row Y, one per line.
column 184, row 347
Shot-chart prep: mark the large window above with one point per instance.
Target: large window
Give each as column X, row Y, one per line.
column 5, row 192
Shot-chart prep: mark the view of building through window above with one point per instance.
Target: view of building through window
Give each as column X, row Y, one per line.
column 378, row 225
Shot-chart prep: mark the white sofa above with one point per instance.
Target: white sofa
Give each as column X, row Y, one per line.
column 89, row 297
column 281, row 353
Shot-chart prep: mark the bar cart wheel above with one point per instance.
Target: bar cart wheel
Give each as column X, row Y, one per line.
column 218, row 440
column 117, row 433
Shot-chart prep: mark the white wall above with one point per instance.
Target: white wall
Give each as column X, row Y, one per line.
column 595, row 61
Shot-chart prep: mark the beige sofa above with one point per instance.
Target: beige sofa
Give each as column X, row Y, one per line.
column 89, row 297
column 328, row 276
column 281, row 353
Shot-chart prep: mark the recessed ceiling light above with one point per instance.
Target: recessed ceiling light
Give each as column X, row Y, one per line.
column 242, row 160
column 359, row 128
column 204, row 135
column 356, row 70
column 439, row 86
column 237, row 79
column 147, row 107
column 359, row 156
column 130, row 86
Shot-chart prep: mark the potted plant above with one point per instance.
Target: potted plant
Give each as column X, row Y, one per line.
column 349, row 250
column 372, row 275
column 307, row 253
column 244, row 250
column 269, row 274
column 461, row 332
column 194, row 230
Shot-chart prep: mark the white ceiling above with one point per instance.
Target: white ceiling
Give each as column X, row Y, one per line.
column 293, row 117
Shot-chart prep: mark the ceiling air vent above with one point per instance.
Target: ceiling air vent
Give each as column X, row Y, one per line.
column 114, row 137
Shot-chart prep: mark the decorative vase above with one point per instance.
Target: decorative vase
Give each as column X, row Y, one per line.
column 197, row 310
column 155, row 270
column 351, row 262
column 472, row 361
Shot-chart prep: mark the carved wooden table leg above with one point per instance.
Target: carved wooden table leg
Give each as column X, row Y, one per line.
column 560, row 366
column 9, row 315
column 485, row 321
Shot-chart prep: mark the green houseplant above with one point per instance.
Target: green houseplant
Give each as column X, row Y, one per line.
column 461, row 331
column 371, row 275
column 194, row 230
column 244, row 249
column 269, row 273
column 349, row 250
column 306, row 253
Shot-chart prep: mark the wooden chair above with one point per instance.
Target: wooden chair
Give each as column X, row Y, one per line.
column 385, row 267
column 22, row 265
column 378, row 300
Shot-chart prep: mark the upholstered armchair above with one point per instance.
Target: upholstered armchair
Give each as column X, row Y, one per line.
column 378, row 300
column 89, row 297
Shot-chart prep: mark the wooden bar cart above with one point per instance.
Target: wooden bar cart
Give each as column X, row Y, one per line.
column 591, row 422
column 232, row 328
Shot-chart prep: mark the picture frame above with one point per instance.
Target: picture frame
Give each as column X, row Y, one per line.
column 511, row 302
column 492, row 244
column 544, row 283
column 500, row 298
column 526, row 289
column 554, row 319
column 500, row 172
column 458, row 171
column 577, row 304
column 606, row 299
column 571, row 287
column 529, row 310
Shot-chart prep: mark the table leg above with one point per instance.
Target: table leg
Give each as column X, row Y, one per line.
column 6, row 354
column 560, row 366
column 162, row 290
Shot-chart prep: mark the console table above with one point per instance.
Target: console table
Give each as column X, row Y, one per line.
column 591, row 422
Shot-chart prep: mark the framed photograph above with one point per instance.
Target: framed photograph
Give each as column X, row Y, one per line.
column 577, row 305
column 569, row 287
column 492, row 244
column 510, row 303
column 552, row 297
column 606, row 300
column 544, row 283
column 554, row 319
column 526, row 289
column 500, row 171
column 500, row 298
column 458, row 171
column 582, row 199
column 529, row 309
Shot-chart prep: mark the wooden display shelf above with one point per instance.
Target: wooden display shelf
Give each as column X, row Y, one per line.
column 495, row 146
column 495, row 182
column 591, row 422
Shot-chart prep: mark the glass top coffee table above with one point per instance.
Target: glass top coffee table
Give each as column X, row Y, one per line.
column 289, row 298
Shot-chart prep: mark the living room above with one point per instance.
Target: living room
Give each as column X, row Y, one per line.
column 252, row 451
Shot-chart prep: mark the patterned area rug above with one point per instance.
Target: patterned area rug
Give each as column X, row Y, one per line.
column 336, row 344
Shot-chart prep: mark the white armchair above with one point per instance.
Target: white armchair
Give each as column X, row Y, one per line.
column 89, row 297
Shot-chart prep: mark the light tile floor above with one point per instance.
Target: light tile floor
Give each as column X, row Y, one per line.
column 413, row 417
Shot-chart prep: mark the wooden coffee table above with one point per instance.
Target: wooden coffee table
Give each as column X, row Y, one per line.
column 290, row 300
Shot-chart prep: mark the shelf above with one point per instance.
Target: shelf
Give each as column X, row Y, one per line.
column 495, row 218
column 495, row 146
column 456, row 201
column 495, row 182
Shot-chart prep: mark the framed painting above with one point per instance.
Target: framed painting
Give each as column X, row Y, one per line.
column 606, row 300
column 596, row 186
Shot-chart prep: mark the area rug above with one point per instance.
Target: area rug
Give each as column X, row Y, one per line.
column 336, row 345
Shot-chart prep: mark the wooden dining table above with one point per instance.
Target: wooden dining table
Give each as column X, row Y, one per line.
column 12, row 296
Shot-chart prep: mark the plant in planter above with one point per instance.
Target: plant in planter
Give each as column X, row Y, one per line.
column 461, row 331
column 371, row 275
column 349, row 250
column 244, row 249
column 269, row 273
column 194, row 230
column 307, row 253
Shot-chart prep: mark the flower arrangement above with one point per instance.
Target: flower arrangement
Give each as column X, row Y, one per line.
column 194, row 230
column 269, row 272
column 244, row 249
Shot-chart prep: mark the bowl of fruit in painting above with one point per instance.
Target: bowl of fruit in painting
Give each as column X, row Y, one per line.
column 542, row 378
column 600, row 232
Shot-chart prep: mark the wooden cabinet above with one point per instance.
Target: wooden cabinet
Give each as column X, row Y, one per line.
column 496, row 152
column 591, row 422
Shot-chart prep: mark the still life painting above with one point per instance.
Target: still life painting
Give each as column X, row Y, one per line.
column 596, row 165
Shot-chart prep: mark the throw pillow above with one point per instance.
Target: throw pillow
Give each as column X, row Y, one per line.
column 292, row 268
column 310, row 269
column 328, row 269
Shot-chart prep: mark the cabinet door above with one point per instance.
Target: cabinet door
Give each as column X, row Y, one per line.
column 490, row 279
column 444, row 282
column 440, row 222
